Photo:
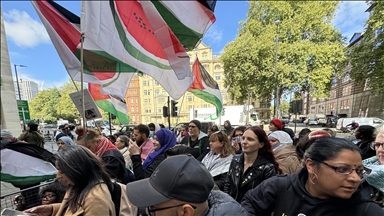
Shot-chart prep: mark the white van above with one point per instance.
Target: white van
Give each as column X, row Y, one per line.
column 343, row 122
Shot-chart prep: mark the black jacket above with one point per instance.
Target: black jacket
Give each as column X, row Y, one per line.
column 199, row 147
column 290, row 132
column 366, row 148
column 138, row 167
column 114, row 164
column 262, row 199
column 237, row 183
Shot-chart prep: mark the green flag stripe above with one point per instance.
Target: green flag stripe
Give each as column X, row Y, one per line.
column 25, row 180
column 132, row 50
column 188, row 37
column 209, row 98
column 109, row 107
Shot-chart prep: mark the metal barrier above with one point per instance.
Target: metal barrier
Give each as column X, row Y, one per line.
column 30, row 197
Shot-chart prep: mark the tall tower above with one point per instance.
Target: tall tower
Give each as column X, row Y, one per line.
column 9, row 112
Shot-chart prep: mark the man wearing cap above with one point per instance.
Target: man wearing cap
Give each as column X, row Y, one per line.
column 181, row 185
column 197, row 140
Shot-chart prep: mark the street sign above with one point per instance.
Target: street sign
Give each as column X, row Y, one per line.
column 23, row 107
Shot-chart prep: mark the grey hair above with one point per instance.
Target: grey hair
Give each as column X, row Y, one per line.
column 124, row 139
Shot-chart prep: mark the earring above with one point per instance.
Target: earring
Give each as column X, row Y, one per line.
column 317, row 179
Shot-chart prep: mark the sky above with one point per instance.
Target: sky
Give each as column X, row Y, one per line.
column 30, row 45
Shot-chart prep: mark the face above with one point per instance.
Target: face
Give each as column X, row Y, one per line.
column 119, row 144
column 380, row 150
column 239, row 133
column 225, row 124
column 170, row 208
column 48, row 198
column 63, row 179
column 209, row 132
column 216, row 146
column 273, row 141
column 250, row 143
column 151, row 129
column 60, row 144
column 182, row 130
column 138, row 137
column 156, row 144
column 272, row 127
column 332, row 184
column 193, row 130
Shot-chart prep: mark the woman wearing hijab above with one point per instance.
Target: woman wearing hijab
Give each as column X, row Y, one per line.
column 64, row 141
column 162, row 140
column 285, row 152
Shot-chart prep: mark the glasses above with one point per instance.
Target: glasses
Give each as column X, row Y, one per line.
column 49, row 196
column 150, row 210
column 376, row 145
column 191, row 126
column 345, row 170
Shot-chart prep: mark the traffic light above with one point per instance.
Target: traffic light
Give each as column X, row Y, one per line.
column 113, row 117
column 165, row 111
column 291, row 106
column 174, row 108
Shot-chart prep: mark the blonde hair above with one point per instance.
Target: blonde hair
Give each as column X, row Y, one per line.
column 226, row 149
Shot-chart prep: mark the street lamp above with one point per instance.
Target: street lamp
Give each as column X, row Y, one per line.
column 277, row 22
column 17, row 79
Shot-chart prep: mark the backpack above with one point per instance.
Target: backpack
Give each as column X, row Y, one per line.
column 120, row 199
column 281, row 191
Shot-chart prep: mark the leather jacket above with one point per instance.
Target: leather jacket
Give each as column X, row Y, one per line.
column 238, row 182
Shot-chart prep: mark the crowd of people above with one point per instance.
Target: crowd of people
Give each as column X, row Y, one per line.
column 239, row 171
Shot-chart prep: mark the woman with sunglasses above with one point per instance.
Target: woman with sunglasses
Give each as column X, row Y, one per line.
column 327, row 185
column 219, row 158
column 255, row 164
column 373, row 182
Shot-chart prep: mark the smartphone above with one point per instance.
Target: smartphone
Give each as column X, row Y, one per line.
column 239, row 140
column 233, row 141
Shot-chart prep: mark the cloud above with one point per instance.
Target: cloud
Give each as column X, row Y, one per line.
column 214, row 35
column 23, row 30
column 15, row 55
column 350, row 17
column 42, row 84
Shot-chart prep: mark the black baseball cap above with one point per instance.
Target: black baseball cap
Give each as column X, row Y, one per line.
column 180, row 177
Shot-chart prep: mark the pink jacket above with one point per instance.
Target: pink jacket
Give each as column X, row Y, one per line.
column 145, row 149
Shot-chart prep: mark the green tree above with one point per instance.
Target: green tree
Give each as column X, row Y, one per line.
column 284, row 107
column 367, row 56
column 44, row 105
column 310, row 49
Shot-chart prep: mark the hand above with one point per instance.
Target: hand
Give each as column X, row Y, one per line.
column 133, row 148
column 41, row 210
column 236, row 145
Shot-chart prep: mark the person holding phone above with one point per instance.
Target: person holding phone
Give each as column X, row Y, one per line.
column 236, row 138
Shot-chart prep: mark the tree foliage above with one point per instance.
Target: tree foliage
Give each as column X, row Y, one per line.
column 367, row 56
column 54, row 103
column 310, row 49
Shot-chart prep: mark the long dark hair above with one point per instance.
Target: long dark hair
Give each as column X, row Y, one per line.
column 84, row 169
column 266, row 150
column 327, row 149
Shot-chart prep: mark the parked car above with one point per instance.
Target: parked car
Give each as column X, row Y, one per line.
column 310, row 121
column 126, row 130
column 331, row 121
column 343, row 122
column 285, row 119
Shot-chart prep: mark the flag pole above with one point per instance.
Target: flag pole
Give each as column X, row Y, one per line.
column 181, row 105
column 82, row 85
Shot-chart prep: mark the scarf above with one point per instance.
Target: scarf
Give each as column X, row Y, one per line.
column 375, row 178
column 103, row 146
column 123, row 150
column 283, row 138
column 167, row 140
column 67, row 141
column 215, row 164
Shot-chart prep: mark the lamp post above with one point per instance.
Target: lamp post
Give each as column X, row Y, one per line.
column 277, row 22
column 17, row 79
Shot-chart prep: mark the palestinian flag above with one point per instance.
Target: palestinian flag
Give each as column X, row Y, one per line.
column 188, row 20
column 26, row 164
column 109, row 103
column 206, row 88
column 63, row 28
column 123, row 30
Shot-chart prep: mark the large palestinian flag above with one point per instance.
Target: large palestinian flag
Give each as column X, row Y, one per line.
column 109, row 103
column 99, row 67
column 137, row 34
column 26, row 164
column 206, row 88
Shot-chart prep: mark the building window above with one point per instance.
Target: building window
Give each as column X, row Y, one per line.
column 190, row 107
column 131, row 100
column 130, row 92
column 136, row 100
column 134, row 92
column 206, row 66
column 137, row 109
column 144, row 83
column 217, row 76
column 334, row 83
column 331, row 106
column 345, row 104
column 205, row 56
column 346, row 77
column 190, row 98
column 132, row 109
column 217, row 67
column 133, row 118
column 347, row 90
column 147, row 101
column 164, row 92
column 205, row 105
column 156, row 83
column 333, row 94
column 157, row 92
column 147, row 92
column 161, row 100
